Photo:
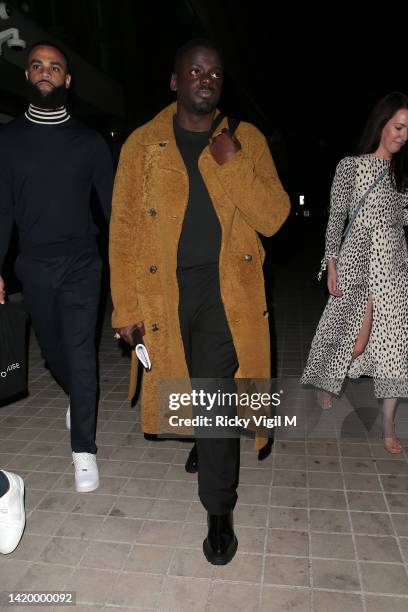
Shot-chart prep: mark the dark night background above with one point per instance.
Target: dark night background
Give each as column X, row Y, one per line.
column 307, row 78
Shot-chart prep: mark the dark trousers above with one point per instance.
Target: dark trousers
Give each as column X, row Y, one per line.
column 210, row 353
column 62, row 295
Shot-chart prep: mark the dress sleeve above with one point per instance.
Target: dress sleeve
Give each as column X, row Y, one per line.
column 340, row 198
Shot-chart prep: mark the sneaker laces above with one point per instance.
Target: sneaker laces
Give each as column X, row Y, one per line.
column 83, row 461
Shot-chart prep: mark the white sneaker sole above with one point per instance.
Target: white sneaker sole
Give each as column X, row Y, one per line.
column 86, row 488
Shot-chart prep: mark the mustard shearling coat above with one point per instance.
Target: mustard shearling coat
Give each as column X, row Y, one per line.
column 149, row 202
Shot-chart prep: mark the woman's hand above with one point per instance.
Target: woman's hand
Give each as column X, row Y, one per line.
column 332, row 278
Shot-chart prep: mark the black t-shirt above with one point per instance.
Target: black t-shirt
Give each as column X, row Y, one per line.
column 200, row 238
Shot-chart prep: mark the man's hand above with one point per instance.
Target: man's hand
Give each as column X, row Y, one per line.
column 2, row 291
column 224, row 147
column 126, row 332
column 332, row 279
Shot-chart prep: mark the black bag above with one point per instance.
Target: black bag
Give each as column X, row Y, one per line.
column 13, row 357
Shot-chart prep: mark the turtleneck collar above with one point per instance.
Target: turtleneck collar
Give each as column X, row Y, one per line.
column 47, row 116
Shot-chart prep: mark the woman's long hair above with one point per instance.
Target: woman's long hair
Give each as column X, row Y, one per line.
column 371, row 137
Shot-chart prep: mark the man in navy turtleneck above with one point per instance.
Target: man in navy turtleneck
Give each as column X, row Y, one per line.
column 49, row 165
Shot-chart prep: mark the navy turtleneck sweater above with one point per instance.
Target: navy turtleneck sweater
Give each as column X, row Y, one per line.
column 49, row 164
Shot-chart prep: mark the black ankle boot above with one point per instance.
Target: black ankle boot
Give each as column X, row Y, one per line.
column 150, row 437
column 221, row 543
column 266, row 450
column 192, row 461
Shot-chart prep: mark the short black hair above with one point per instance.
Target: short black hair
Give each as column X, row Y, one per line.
column 47, row 43
column 208, row 43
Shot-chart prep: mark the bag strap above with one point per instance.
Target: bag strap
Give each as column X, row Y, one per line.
column 361, row 202
column 219, row 118
column 323, row 263
column 232, row 123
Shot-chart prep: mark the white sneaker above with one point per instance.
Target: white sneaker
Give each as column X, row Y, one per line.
column 12, row 514
column 86, row 472
column 68, row 417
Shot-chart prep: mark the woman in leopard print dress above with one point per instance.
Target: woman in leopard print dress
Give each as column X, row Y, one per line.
column 364, row 327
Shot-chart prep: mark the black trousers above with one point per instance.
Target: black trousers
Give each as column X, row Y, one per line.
column 210, row 353
column 62, row 295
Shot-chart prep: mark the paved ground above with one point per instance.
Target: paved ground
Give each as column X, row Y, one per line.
column 322, row 523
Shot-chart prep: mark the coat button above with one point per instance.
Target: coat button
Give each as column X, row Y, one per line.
column 247, row 257
column 153, row 269
column 152, row 212
column 155, row 327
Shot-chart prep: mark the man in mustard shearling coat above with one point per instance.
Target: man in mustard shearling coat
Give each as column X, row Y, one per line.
column 153, row 219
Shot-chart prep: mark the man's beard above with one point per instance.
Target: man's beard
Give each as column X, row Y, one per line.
column 54, row 98
column 204, row 107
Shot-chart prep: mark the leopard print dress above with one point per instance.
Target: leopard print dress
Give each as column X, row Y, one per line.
column 372, row 260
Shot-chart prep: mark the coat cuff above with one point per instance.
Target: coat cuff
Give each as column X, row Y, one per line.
column 123, row 319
